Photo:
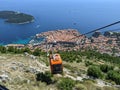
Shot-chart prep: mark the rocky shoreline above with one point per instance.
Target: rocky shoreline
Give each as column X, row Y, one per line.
column 25, row 22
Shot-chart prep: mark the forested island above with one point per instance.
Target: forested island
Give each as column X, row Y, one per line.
column 16, row 17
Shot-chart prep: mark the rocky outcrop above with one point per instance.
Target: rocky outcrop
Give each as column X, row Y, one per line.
column 16, row 69
column 4, row 78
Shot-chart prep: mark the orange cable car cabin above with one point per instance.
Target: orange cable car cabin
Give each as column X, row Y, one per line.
column 56, row 64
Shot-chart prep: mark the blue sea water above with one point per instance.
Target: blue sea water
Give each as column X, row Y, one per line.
column 83, row 15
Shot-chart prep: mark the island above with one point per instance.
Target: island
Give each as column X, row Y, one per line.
column 16, row 17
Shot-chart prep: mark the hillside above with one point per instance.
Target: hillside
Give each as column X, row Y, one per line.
column 19, row 71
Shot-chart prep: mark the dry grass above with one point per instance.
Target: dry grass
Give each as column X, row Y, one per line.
column 16, row 66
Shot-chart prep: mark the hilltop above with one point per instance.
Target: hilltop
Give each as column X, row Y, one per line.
column 16, row 17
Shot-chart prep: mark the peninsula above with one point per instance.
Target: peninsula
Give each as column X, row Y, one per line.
column 70, row 39
column 16, row 17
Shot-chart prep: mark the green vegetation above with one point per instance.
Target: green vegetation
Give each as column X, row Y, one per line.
column 115, row 76
column 105, row 68
column 99, row 65
column 71, row 56
column 111, row 34
column 106, row 71
column 80, row 87
column 37, row 52
column 66, row 84
column 95, row 72
column 3, row 49
column 76, row 63
column 14, row 50
column 88, row 63
column 44, row 77
column 16, row 17
column 96, row 34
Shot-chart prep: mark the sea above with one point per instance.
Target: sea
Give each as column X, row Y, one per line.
column 83, row 15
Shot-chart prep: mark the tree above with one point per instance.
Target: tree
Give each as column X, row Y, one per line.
column 26, row 50
column 109, row 42
column 16, row 50
column 10, row 49
column 107, row 34
column 96, row 34
column 95, row 72
column 3, row 49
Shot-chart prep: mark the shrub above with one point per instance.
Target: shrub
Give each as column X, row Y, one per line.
column 2, row 49
column 113, row 75
column 95, row 72
column 80, row 87
column 36, row 52
column 88, row 63
column 66, row 84
column 44, row 77
column 79, row 60
column 10, row 49
column 96, row 34
column 26, row 50
column 105, row 68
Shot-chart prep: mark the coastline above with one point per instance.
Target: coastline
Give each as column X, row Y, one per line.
column 23, row 22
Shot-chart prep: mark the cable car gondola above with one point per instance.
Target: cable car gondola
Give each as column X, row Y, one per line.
column 56, row 64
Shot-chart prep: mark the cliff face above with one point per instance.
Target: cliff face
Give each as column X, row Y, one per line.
column 59, row 35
